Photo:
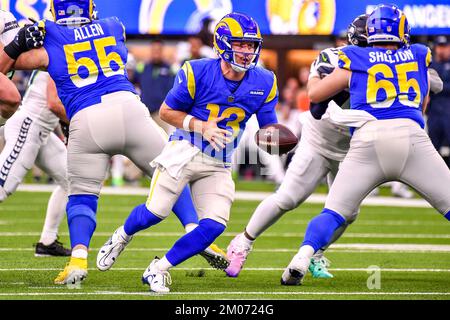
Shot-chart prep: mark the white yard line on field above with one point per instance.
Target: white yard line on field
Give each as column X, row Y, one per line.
column 402, row 223
column 268, row 234
column 246, row 195
column 338, row 247
column 247, row 269
column 227, row 293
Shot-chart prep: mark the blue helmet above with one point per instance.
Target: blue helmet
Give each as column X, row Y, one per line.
column 73, row 12
column 387, row 23
column 237, row 27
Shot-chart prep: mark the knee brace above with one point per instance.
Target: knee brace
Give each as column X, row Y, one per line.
column 321, row 228
column 209, row 230
column 82, row 205
column 195, row 241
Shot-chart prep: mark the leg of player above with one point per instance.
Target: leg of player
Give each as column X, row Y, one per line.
column 214, row 202
column 52, row 159
column 143, row 216
column 87, row 163
column 25, row 144
column 319, row 264
column 344, row 198
column 183, row 208
column 428, row 173
column 304, row 173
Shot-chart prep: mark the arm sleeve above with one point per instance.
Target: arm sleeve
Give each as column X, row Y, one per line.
column 181, row 96
column 436, row 84
column 318, row 109
column 266, row 114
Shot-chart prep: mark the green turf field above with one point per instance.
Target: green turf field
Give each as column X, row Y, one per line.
column 410, row 245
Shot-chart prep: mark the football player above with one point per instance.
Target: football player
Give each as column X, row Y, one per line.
column 106, row 116
column 209, row 104
column 322, row 147
column 389, row 87
column 29, row 139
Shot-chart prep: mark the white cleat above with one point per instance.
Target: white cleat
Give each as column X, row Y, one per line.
column 401, row 190
column 108, row 254
column 295, row 272
column 157, row 279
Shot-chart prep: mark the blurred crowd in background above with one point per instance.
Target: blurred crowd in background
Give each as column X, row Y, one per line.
column 152, row 66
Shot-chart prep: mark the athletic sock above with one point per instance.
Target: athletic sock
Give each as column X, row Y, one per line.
column 195, row 241
column 139, row 219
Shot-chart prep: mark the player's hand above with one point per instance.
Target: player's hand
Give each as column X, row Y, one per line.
column 29, row 37
column 323, row 65
column 34, row 36
column 216, row 136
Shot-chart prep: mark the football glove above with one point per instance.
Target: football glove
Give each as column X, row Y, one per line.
column 323, row 65
column 29, row 37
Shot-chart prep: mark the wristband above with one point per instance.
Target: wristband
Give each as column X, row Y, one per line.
column 186, row 122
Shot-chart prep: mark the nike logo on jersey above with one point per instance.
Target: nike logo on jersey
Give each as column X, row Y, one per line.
column 180, row 80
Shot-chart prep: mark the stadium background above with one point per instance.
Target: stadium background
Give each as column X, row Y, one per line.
column 293, row 29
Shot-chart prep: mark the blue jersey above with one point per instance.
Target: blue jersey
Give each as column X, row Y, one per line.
column 388, row 84
column 200, row 89
column 87, row 62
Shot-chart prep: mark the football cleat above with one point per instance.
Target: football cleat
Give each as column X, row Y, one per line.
column 156, row 279
column 74, row 272
column 215, row 257
column 55, row 249
column 318, row 268
column 237, row 253
column 401, row 190
column 295, row 272
column 112, row 248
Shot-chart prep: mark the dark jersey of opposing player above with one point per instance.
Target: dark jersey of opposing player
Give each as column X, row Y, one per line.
column 201, row 90
column 87, row 62
column 388, row 84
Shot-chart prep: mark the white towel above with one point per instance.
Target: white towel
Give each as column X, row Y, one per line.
column 347, row 117
column 175, row 155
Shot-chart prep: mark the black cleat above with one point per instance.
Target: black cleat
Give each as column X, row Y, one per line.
column 55, row 249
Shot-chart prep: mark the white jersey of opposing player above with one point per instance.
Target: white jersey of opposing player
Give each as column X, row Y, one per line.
column 330, row 139
column 34, row 103
column 8, row 27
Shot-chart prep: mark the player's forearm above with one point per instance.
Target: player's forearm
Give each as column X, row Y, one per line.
column 6, row 62
column 329, row 86
column 178, row 119
column 9, row 97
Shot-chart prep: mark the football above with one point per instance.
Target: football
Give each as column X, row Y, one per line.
column 276, row 139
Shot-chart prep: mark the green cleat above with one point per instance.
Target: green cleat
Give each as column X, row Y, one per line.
column 318, row 268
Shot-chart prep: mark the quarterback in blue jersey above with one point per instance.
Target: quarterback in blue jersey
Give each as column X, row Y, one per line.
column 86, row 58
column 209, row 104
column 389, row 88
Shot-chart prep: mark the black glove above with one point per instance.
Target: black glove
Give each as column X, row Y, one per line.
column 318, row 109
column 323, row 65
column 29, row 37
column 65, row 130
